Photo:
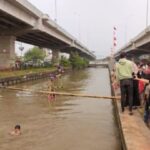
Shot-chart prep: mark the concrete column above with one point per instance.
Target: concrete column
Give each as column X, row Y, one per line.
column 7, row 51
column 55, row 57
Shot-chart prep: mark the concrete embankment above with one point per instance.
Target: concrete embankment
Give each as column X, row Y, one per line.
column 19, row 79
column 7, row 81
column 135, row 135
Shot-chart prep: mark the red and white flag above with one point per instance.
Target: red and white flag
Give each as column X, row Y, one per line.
column 114, row 41
column 115, row 28
column 114, row 37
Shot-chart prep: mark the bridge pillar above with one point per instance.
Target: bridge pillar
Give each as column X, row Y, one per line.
column 7, row 51
column 55, row 56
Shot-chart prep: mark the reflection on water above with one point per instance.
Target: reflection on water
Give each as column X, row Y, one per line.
column 69, row 123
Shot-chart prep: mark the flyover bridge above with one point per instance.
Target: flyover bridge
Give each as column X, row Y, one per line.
column 137, row 46
column 21, row 21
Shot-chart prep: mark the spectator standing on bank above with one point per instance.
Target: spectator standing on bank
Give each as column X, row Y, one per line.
column 124, row 70
column 141, row 73
column 147, row 105
column 147, row 71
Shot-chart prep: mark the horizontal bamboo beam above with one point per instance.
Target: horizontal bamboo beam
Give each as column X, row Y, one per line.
column 143, row 80
column 65, row 94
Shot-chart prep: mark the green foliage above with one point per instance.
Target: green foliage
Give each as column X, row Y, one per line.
column 34, row 55
column 86, row 62
column 78, row 62
column 47, row 65
column 64, row 62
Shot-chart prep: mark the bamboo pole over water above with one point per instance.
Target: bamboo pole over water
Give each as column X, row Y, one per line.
column 65, row 94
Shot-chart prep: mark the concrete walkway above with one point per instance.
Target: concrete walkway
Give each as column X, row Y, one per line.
column 136, row 133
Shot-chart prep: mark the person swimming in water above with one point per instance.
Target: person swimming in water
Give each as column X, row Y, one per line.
column 16, row 131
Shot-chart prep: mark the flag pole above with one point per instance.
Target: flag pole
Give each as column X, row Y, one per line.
column 113, row 47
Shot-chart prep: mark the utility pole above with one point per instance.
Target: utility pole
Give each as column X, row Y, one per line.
column 147, row 12
column 56, row 11
column 78, row 25
column 21, row 48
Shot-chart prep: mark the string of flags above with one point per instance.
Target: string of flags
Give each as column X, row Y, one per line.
column 114, row 41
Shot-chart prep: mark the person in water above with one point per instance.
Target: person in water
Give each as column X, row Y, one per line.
column 51, row 97
column 16, row 131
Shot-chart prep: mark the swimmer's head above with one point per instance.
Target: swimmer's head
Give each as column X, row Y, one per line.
column 17, row 127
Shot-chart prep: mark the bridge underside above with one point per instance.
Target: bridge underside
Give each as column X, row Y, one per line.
column 42, row 39
column 137, row 52
column 11, row 24
column 12, row 29
column 138, row 46
column 145, row 47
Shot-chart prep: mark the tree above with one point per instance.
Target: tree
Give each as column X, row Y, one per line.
column 64, row 61
column 34, row 55
column 77, row 61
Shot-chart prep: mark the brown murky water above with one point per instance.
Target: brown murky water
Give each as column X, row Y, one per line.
column 69, row 123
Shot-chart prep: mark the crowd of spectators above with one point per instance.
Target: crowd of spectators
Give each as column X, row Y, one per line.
column 140, row 87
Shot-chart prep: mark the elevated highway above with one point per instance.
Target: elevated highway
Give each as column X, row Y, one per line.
column 137, row 46
column 21, row 21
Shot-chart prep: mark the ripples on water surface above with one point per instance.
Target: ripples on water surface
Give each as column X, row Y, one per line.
column 69, row 123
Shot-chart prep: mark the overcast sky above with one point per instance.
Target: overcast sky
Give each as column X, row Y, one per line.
column 92, row 21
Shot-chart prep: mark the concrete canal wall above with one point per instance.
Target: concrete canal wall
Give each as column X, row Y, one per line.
column 25, row 78
column 20, row 79
column 116, row 112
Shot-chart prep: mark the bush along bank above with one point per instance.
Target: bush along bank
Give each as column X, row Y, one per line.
column 75, row 61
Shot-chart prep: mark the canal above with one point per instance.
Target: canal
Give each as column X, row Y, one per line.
column 69, row 123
